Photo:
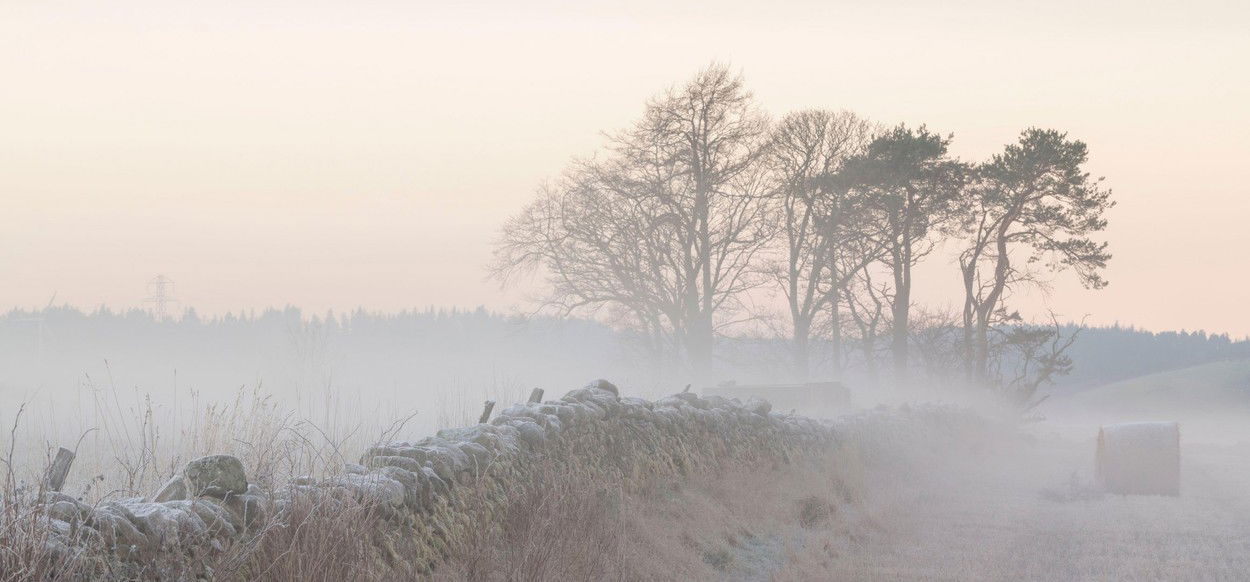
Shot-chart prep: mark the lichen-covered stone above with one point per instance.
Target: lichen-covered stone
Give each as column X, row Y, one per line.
column 216, row 476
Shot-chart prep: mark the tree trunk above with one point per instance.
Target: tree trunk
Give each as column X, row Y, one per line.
column 901, row 310
column 969, row 273
column 700, row 351
column 982, row 356
column 898, row 345
column 870, row 360
column 802, row 349
column 835, row 338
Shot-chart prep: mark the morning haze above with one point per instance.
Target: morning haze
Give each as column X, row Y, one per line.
column 300, row 153
column 348, row 291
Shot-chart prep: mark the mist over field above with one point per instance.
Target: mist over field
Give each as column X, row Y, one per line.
column 805, row 291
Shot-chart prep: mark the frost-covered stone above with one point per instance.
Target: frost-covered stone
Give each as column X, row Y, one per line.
column 401, row 462
column 119, row 533
column 720, row 402
column 605, row 385
column 436, row 482
column 165, row 524
column 250, row 509
column 759, row 406
column 173, row 490
column 219, row 521
column 692, row 399
column 530, row 433
column 216, row 476
column 414, row 487
column 479, row 455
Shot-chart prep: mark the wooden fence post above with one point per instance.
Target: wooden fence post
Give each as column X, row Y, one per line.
column 490, row 405
column 55, row 478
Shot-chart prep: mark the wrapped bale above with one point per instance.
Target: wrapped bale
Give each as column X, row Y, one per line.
column 1140, row 458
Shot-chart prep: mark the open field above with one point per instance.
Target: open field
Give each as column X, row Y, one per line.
column 1018, row 510
column 1027, row 509
column 1020, row 514
column 989, row 506
column 985, row 501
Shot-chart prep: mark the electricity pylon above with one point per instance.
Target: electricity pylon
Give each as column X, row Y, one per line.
column 160, row 297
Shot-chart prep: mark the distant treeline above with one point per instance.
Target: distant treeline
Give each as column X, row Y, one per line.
column 1107, row 354
column 288, row 351
column 422, row 352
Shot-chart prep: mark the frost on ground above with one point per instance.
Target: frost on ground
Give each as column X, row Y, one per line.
column 914, row 493
column 984, row 506
column 1027, row 511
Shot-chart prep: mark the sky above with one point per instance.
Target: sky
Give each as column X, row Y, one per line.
column 332, row 155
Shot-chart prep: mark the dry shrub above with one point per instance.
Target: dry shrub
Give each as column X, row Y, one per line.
column 319, row 538
column 29, row 552
column 555, row 529
column 129, row 444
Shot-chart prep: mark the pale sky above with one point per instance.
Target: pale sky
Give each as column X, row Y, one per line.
column 364, row 153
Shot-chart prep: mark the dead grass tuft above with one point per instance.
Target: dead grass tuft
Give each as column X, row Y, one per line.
column 718, row 558
column 814, row 511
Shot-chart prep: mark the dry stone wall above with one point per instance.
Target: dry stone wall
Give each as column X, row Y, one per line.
column 433, row 494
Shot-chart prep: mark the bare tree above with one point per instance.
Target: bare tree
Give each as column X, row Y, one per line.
column 665, row 229
column 866, row 301
column 1023, row 358
column 1032, row 205
column 817, row 223
column 593, row 249
column 938, row 350
column 910, row 186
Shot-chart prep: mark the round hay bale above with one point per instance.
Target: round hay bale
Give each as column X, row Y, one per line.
column 1140, row 458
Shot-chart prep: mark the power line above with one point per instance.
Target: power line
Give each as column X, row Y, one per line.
column 160, row 297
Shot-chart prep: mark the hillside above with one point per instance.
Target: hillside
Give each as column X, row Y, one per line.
column 1212, row 400
column 1109, row 354
column 1213, row 387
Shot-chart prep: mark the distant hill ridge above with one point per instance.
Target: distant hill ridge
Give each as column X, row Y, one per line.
column 55, row 346
column 1109, row 354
